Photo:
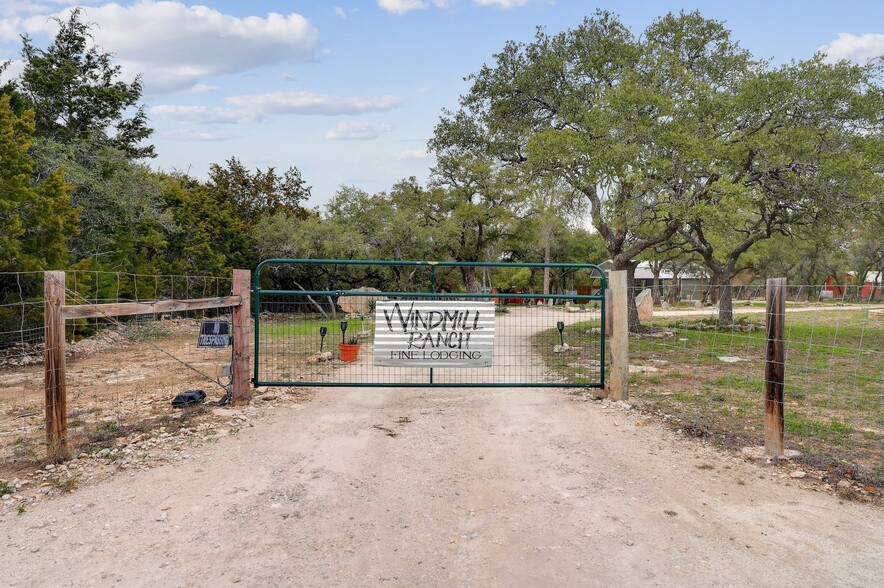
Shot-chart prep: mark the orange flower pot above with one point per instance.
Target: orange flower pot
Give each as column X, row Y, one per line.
column 348, row 351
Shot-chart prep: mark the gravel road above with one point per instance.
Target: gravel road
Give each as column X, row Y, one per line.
column 384, row 487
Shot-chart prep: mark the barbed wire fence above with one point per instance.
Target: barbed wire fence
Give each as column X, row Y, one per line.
column 710, row 379
column 121, row 370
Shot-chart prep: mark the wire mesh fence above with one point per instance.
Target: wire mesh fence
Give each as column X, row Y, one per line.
column 446, row 340
column 21, row 317
column 707, row 377
column 21, row 302
column 711, row 378
column 121, row 371
column 689, row 293
column 428, row 324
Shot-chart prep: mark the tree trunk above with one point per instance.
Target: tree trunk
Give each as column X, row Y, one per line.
column 722, row 278
column 313, row 302
column 629, row 266
column 674, row 289
column 635, row 325
column 469, row 278
column 655, row 288
column 715, row 290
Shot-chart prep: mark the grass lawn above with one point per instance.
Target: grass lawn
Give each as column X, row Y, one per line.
column 287, row 342
column 834, row 392
column 581, row 364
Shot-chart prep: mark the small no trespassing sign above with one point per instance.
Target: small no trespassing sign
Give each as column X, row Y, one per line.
column 434, row 333
column 214, row 334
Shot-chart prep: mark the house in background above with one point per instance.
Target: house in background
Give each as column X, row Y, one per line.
column 871, row 287
column 690, row 283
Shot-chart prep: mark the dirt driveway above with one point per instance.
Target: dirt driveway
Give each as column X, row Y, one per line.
column 384, row 487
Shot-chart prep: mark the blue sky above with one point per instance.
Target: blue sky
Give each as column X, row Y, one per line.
column 350, row 91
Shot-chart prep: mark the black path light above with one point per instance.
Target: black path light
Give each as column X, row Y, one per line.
column 561, row 327
column 343, row 330
column 323, row 331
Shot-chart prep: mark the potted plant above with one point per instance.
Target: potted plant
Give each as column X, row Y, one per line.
column 350, row 349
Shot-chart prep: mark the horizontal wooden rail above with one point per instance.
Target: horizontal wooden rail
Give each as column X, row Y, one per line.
column 158, row 307
column 56, row 312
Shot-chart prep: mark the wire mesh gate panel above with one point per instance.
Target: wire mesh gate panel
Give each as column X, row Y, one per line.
column 414, row 324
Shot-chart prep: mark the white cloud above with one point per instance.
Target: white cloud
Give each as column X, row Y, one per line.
column 12, row 71
column 204, row 114
column 174, row 45
column 503, row 3
column 402, row 6
column 411, row 154
column 424, row 90
column 405, row 6
column 310, row 103
column 857, row 48
column 10, row 29
column 192, row 135
column 345, row 13
column 24, row 7
column 202, row 88
column 256, row 107
column 356, row 131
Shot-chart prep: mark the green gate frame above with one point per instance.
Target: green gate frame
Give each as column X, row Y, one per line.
column 257, row 292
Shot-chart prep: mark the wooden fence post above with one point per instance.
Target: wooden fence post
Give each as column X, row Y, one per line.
column 54, row 380
column 774, row 367
column 619, row 336
column 609, row 315
column 242, row 283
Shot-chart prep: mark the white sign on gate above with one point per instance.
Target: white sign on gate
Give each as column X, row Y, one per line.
column 434, row 333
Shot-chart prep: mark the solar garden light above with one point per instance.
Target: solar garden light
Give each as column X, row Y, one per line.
column 343, row 330
column 322, row 333
column 561, row 327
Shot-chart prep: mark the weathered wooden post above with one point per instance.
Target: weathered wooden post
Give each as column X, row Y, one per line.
column 619, row 336
column 242, row 281
column 774, row 367
column 609, row 315
column 54, row 354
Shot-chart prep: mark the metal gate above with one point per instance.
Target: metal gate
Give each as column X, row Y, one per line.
column 423, row 323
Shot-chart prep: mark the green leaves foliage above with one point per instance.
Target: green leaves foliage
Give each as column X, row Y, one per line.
column 35, row 219
column 76, row 94
column 260, row 193
column 207, row 236
column 677, row 133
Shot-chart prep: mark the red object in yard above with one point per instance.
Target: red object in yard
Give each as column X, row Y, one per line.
column 833, row 287
column 871, row 291
column 349, row 352
column 515, row 291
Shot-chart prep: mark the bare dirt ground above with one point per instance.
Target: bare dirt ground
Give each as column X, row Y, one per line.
column 518, row 487
column 713, row 311
column 435, row 487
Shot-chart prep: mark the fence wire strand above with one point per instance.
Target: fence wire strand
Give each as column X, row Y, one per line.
column 120, row 325
column 527, row 349
column 119, row 371
column 834, row 372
